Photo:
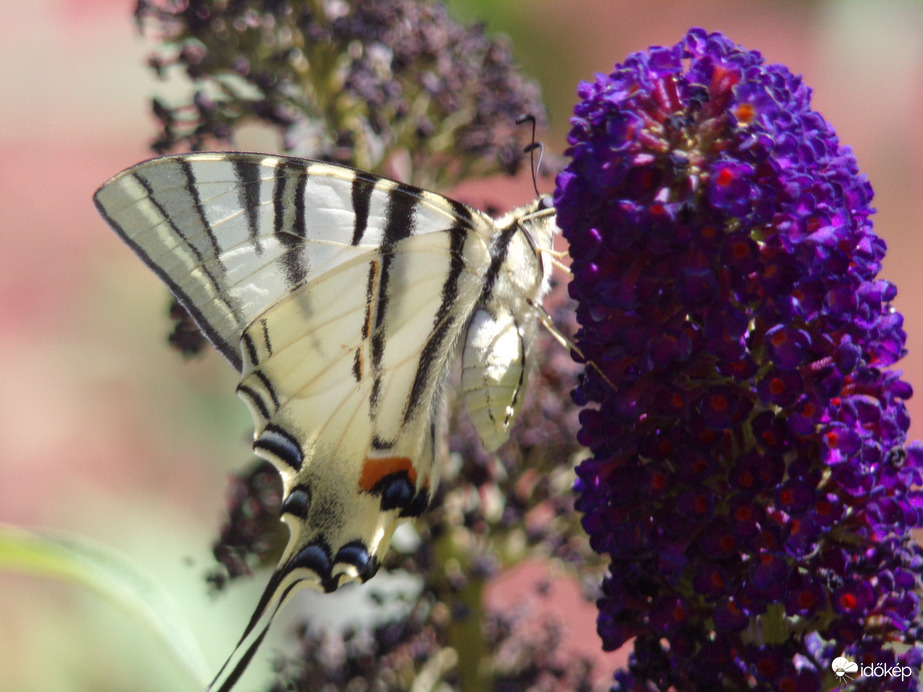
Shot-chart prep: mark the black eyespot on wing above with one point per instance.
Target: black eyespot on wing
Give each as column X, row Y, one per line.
column 396, row 491
column 417, row 506
column 298, row 502
column 394, row 481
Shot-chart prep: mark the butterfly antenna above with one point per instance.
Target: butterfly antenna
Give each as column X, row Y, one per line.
column 530, row 149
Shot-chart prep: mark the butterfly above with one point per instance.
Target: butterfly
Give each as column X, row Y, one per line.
column 343, row 300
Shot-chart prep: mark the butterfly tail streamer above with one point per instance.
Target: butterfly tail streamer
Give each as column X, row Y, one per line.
column 270, row 602
column 238, row 670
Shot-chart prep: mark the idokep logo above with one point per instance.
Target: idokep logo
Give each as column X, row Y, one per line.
column 844, row 668
column 849, row 670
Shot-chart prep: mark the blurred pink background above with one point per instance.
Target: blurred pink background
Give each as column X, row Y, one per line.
column 106, row 433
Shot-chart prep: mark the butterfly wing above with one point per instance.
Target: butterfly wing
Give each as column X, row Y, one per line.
column 497, row 353
column 232, row 233
column 339, row 297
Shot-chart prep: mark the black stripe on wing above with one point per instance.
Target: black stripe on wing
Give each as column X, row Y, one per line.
column 229, row 351
column 442, row 324
column 192, row 189
column 250, row 348
column 250, row 181
column 363, row 186
column 289, row 210
column 498, row 257
column 399, row 224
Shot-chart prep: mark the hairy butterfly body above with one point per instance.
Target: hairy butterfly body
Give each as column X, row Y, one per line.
column 341, row 298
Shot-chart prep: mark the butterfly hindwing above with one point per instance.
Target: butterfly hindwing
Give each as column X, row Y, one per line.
column 496, row 358
column 341, row 385
column 340, row 297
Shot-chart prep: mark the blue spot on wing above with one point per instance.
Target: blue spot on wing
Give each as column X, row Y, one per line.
column 356, row 554
column 315, row 557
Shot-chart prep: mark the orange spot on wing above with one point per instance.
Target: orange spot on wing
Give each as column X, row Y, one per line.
column 375, row 469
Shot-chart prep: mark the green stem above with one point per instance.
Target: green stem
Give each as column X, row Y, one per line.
column 464, row 631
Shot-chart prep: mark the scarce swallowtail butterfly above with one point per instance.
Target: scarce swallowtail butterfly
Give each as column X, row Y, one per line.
column 341, row 298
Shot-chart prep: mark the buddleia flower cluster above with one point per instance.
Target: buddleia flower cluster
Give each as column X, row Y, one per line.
column 751, row 483
column 369, row 83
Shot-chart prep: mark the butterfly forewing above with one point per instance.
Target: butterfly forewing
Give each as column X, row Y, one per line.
column 340, row 298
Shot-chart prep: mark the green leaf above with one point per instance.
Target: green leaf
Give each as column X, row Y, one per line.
column 109, row 573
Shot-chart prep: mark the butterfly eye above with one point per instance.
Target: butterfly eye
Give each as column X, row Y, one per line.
column 545, row 203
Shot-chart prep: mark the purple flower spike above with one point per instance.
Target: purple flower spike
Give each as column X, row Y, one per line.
column 751, row 481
